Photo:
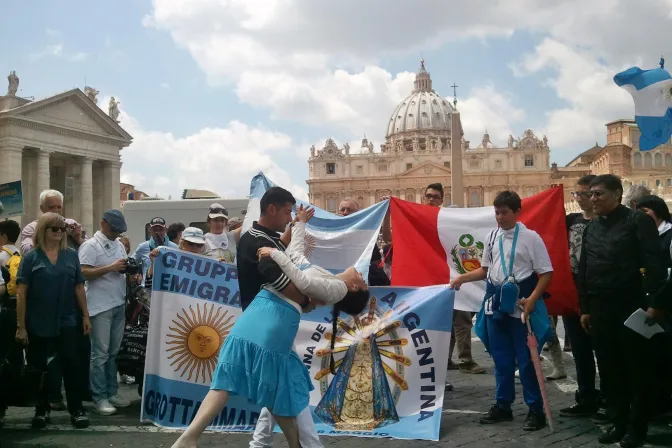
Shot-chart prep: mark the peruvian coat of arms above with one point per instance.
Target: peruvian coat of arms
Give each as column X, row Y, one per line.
column 467, row 254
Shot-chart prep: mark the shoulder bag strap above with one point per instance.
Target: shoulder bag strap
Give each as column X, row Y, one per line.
column 513, row 253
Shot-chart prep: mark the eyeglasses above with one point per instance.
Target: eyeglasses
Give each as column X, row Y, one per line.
column 434, row 197
column 57, row 229
column 217, row 210
column 597, row 193
column 580, row 194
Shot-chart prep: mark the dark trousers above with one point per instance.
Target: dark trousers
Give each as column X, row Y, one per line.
column 626, row 362
column 662, row 344
column 10, row 351
column 55, row 375
column 582, row 351
column 38, row 354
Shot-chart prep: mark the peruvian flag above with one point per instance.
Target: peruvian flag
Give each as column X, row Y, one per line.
column 431, row 244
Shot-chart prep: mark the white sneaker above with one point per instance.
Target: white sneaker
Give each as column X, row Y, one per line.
column 119, row 402
column 103, row 407
column 557, row 374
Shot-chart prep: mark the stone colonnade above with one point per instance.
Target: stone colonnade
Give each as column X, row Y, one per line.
column 90, row 186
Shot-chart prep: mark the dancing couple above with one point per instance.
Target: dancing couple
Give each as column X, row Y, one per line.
column 257, row 359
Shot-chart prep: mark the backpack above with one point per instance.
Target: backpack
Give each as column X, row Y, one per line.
column 13, row 269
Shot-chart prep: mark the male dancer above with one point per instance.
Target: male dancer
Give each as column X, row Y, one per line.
column 276, row 213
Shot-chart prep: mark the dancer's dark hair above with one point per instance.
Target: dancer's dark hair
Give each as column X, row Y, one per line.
column 353, row 304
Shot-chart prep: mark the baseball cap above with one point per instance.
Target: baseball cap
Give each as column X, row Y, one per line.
column 115, row 218
column 193, row 235
column 217, row 211
column 157, row 222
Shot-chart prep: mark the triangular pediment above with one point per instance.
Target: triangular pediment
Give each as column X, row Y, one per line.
column 426, row 168
column 71, row 110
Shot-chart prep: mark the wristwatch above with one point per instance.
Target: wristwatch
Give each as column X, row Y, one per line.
column 305, row 302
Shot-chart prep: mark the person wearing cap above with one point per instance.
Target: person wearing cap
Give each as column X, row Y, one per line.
column 159, row 238
column 192, row 240
column 221, row 243
column 103, row 260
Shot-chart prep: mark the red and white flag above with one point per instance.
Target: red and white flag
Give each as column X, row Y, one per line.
column 431, row 244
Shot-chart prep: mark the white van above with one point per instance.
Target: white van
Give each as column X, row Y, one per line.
column 190, row 212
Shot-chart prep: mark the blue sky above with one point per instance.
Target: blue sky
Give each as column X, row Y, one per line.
column 214, row 90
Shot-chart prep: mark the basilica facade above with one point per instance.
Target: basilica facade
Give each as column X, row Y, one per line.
column 417, row 152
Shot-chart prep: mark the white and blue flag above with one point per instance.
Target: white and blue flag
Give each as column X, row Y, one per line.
column 652, row 92
column 333, row 242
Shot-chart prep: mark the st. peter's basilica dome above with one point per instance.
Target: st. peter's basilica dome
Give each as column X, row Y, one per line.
column 423, row 109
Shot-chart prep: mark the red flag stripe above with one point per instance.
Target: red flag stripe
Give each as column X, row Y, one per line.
column 420, row 259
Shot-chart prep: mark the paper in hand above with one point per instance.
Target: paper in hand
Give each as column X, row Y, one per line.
column 637, row 322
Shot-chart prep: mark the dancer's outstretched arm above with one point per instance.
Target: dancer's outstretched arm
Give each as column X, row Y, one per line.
column 325, row 288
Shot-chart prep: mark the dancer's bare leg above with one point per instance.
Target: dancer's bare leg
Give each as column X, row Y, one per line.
column 211, row 407
column 290, row 429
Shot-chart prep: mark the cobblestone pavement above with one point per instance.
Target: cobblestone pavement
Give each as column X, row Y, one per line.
column 471, row 397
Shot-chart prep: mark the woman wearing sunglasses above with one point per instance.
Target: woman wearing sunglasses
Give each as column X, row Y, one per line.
column 50, row 298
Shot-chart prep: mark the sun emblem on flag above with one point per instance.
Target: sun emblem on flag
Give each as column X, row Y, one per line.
column 369, row 363
column 310, row 245
column 467, row 254
column 667, row 90
column 195, row 340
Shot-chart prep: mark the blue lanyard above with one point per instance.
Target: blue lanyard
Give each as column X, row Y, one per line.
column 513, row 252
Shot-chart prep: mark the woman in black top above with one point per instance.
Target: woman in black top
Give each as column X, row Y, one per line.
column 50, row 292
column 657, row 209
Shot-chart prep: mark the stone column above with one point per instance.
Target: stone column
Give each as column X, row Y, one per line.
column 43, row 176
column 11, row 167
column 98, row 193
column 112, row 185
column 11, row 170
column 86, row 194
column 456, row 185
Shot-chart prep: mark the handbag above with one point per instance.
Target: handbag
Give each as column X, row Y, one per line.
column 510, row 290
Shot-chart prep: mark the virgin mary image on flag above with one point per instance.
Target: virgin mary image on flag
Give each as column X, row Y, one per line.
column 359, row 396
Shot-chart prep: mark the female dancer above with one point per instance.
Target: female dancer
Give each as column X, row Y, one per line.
column 261, row 365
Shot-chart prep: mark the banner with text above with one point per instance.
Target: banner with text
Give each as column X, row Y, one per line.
column 390, row 361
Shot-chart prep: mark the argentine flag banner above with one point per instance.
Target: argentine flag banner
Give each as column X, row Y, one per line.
column 390, row 361
column 652, row 92
column 333, row 242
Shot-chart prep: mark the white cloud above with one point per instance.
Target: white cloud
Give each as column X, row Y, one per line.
column 316, row 62
column 222, row 160
column 50, row 50
column 52, row 32
column 586, row 85
column 489, row 109
column 80, row 56
column 57, row 51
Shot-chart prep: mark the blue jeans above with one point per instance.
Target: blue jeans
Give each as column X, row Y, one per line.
column 107, row 330
column 507, row 338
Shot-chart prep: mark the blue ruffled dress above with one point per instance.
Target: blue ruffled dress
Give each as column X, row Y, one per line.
column 257, row 361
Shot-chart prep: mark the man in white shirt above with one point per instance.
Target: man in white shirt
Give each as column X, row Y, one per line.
column 518, row 270
column 50, row 201
column 103, row 260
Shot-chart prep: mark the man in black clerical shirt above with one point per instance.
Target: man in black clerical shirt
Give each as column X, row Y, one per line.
column 619, row 272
